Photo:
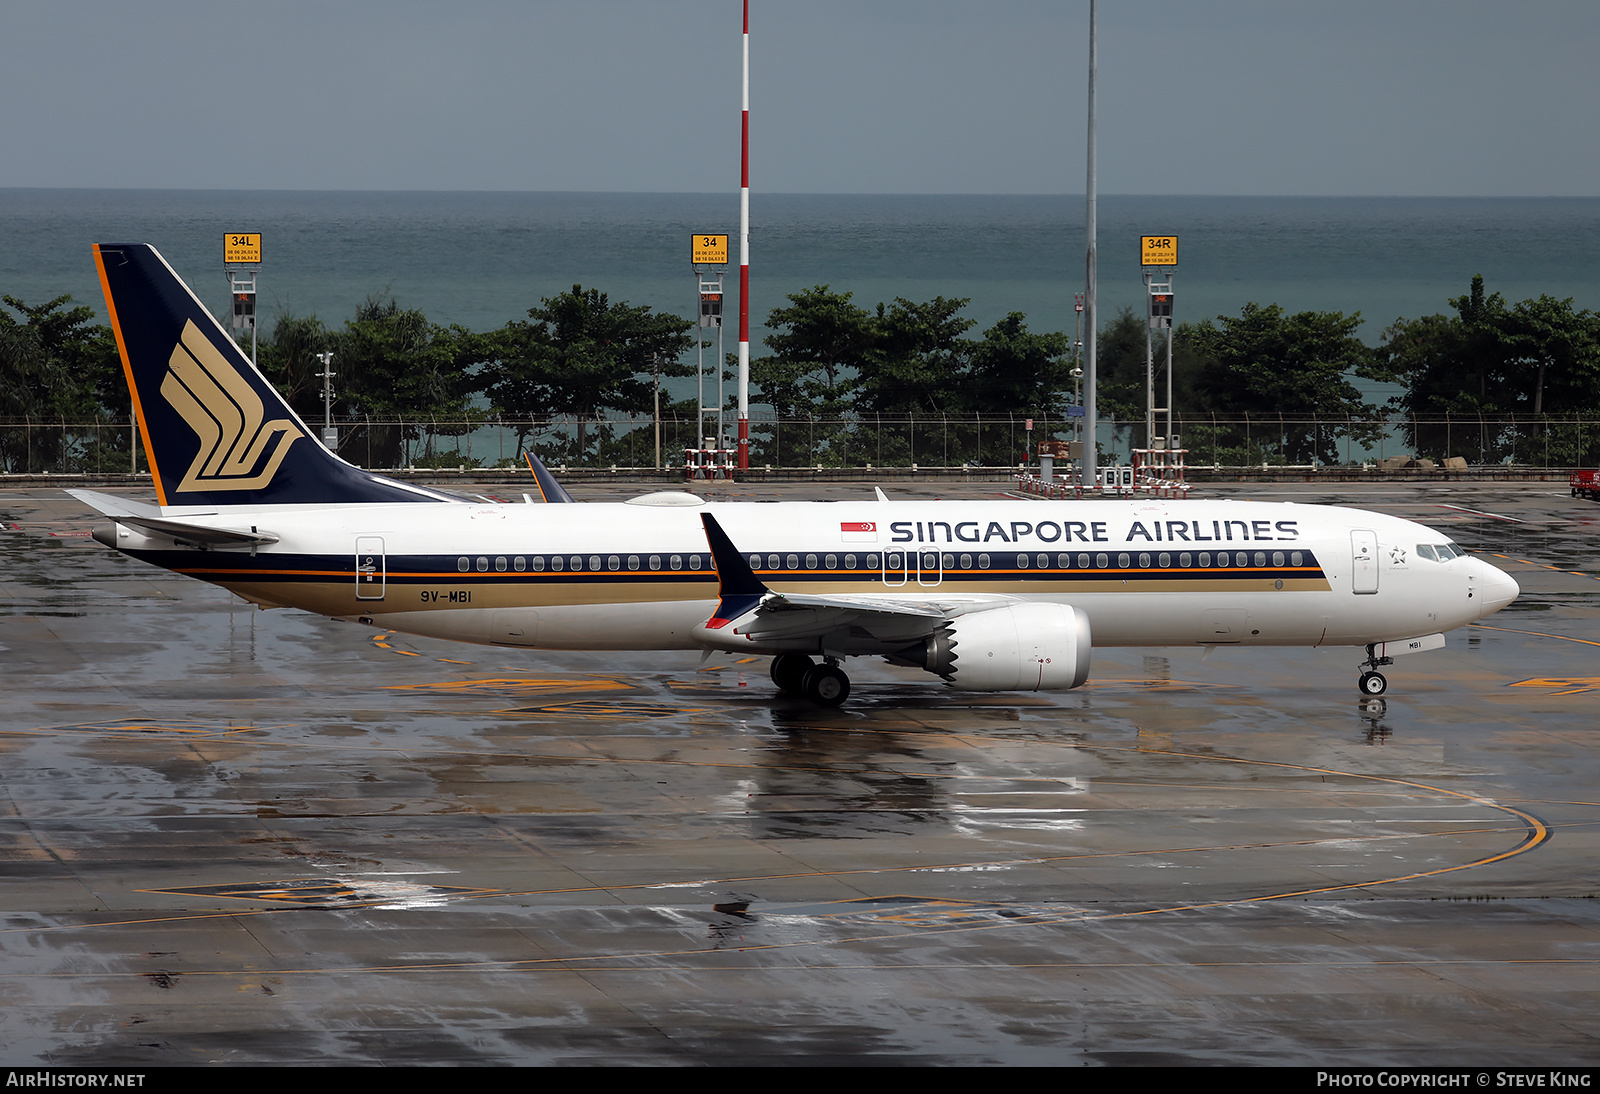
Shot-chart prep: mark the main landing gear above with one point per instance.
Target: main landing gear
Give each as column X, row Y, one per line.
column 1371, row 681
column 824, row 684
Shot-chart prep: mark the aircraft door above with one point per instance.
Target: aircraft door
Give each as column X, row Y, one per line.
column 1364, row 552
column 930, row 570
column 370, row 568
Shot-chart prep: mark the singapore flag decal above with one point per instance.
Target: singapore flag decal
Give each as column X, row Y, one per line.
column 858, row 531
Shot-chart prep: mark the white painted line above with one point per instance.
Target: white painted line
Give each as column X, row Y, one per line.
column 1481, row 513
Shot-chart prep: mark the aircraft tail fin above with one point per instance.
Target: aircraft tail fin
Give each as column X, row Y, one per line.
column 215, row 431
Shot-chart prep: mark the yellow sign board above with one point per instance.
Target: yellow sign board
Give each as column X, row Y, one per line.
column 1158, row 250
column 241, row 249
column 707, row 250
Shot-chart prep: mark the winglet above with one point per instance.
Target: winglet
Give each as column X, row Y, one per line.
column 551, row 490
column 738, row 588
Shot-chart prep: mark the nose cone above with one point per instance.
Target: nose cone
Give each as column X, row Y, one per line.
column 1497, row 589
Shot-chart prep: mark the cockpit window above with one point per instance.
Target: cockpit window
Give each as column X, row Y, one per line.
column 1425, row 550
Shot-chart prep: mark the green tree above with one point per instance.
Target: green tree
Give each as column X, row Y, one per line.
column 57, row 366
column 1016, row 373
column 914, row 358
column 581, row 355
column 1555, row 356
column 403, row 373
column 1281, row 372
column 1489, row 363
column 288, row 358
column 819, row 344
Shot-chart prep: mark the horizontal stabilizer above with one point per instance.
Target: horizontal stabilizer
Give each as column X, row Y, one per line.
column 147, row 518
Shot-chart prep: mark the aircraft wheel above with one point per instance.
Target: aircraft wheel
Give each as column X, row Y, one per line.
column 788, row 671
column 826, row 685
column 1372, row 683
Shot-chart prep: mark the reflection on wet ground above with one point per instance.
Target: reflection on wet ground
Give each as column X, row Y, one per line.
column 232, row 835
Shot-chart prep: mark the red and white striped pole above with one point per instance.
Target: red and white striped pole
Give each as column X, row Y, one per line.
column 744, row 252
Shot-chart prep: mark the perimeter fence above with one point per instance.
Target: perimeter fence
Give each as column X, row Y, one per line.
column 1546, row 441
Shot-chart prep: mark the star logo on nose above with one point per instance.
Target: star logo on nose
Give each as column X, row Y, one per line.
column 1397, row 556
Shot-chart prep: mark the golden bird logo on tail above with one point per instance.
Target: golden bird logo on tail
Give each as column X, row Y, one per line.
column 238, row 450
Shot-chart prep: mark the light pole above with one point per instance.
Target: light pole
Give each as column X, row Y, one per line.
column 330, row 436
column 655, row 361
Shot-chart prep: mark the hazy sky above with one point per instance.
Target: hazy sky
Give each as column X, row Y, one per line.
column 1413, row 97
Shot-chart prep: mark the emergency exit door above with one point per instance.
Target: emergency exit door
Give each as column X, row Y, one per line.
column 370, row 570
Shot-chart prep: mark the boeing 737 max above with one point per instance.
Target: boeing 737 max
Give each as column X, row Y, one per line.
column 992, row 595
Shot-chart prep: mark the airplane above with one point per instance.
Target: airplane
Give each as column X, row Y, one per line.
column 997, row 595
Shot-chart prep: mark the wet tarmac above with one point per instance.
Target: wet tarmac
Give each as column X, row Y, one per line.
column 231, row 835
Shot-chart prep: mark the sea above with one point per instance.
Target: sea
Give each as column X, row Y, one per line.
column 482, row 259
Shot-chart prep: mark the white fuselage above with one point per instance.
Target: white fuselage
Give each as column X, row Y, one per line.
column 632, row 576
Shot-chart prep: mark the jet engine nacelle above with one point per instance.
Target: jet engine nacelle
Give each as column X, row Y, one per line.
column 1022, row 647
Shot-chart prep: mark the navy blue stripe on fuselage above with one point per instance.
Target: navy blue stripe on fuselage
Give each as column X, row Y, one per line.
column 898, row 568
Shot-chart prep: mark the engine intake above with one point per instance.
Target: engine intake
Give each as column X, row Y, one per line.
column 1021, row 647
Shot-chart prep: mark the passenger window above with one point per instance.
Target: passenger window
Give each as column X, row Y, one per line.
column 772, row 562
column 1022, row 562
column 792, row 562
column 655, row 562
column 983, row 562
column 1102, row 561
column 500, row 563
column 694, row 562
column 1164, row 561
column 633, row 562
column 594, row 562
column 483, row 564
column 1063, row 562
column 463, row 564
column 538, row 562
column 1043, row 562
column 811, row 562
column 612, row 562
column 520, row 563
column 1122, row 559
column 966, row 562
column 575, row 563
column 831, row 562
column 850, row 562
column 1144, row 561
column 1277, row 558
column 1261, row 558
column 556, row 562
column 677, row 562
column 1083, row 562
column 1184, row 560
column 1296, row 559
column 949, row 562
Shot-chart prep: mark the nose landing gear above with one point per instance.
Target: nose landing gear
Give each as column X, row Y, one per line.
column 1371, row 681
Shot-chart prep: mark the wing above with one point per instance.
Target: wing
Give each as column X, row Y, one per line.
column 752, row 618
